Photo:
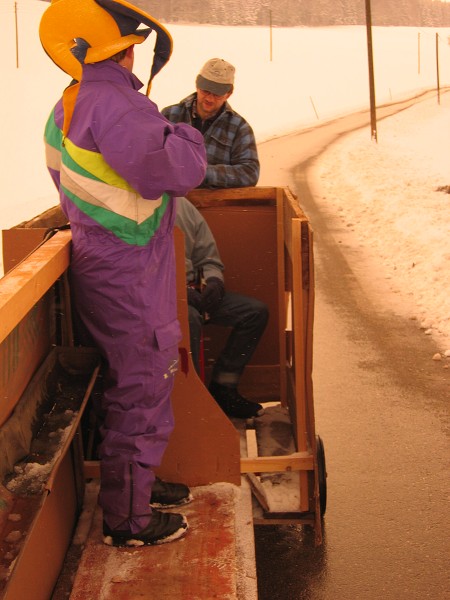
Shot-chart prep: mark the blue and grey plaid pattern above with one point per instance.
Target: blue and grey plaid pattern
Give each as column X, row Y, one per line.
column 230, row 146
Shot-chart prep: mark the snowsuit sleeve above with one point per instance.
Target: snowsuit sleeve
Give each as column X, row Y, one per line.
column 161, row 156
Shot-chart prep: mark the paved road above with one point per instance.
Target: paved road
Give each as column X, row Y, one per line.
column 382, row 409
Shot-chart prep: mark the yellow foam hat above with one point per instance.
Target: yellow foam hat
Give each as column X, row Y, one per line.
column 105, row 27
column 108, row 26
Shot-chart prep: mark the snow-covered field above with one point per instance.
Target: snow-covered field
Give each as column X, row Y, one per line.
column 385, row 199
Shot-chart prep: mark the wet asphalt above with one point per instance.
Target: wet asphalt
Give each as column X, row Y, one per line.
column 383, row 411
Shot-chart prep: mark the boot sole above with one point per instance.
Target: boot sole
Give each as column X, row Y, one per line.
column 135, row 542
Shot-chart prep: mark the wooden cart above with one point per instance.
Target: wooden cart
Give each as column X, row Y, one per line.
column 266, row 245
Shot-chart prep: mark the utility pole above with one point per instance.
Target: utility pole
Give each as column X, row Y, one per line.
column 373, row 116
column 17, row 35
column 418, row 53
column 437, row 69
column 270, row 30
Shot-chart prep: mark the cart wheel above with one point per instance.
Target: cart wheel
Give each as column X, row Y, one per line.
column 322, row 474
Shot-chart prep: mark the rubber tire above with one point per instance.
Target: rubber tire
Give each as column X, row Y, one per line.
column 322, row 475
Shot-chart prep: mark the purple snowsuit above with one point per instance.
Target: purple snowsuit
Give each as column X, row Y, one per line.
column 117, row 171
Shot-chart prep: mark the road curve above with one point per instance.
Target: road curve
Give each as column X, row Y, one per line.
column 382, row 409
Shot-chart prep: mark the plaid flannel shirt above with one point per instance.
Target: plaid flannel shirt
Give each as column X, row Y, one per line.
column 230, row 146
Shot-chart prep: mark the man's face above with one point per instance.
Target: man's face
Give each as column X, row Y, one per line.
column 209, row 104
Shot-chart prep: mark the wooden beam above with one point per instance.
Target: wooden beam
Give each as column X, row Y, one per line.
column 260, row 464
column 25, row 285
column 300, row 461
column 205, row 197
column 287, row 520
column 258, row 491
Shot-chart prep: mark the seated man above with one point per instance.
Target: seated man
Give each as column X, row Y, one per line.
column 208, row 302
column 230, row 143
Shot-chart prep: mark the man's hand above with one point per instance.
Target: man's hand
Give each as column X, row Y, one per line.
column 194, row 298
column 212, row 295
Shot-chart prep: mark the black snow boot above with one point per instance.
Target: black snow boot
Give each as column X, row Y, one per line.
column 169, row 495
column 232, row 403
column 162, row 528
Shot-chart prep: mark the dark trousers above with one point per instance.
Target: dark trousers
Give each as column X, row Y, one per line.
column 248, row 319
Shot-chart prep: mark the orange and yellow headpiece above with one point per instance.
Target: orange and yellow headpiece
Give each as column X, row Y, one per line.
column 104, row 27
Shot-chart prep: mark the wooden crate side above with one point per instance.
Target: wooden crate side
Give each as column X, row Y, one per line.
column 299, row 290
column 23, row 350
column 246, row 235
column 204, row 446
column 254, row 195
column 17, row 244
column 19, row 241
column 49, row 502
column 27, row 316
column 283, row 296
column 22, row 288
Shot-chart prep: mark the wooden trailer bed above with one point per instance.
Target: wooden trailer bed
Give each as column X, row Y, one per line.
column 266, row 245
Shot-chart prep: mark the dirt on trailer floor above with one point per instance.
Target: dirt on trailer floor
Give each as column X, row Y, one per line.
column 214, row 560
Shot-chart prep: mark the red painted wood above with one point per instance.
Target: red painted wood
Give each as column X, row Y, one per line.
column 200, row 566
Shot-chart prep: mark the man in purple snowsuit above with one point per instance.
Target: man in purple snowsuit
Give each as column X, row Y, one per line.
column 118, row 164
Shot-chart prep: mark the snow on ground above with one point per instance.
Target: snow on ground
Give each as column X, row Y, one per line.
column 384, row 195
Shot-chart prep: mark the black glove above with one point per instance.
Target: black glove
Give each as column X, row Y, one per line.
column 194, row 298
column 212, row 295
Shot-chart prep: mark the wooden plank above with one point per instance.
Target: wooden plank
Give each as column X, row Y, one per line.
column 258, row 491
column 300, row 461
column 259, row 464
column 299, row 339
column 23, row 350
column 202, row 565
column 204, row 446
column 309, row 385
column 30, row 320
column 49, row 500
column 24, row 286
column 52, row 217
column 255, row 195
column 257, row 277
column 285, row 519
column 17, row 244
column 282, row 307
column 302, row 433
